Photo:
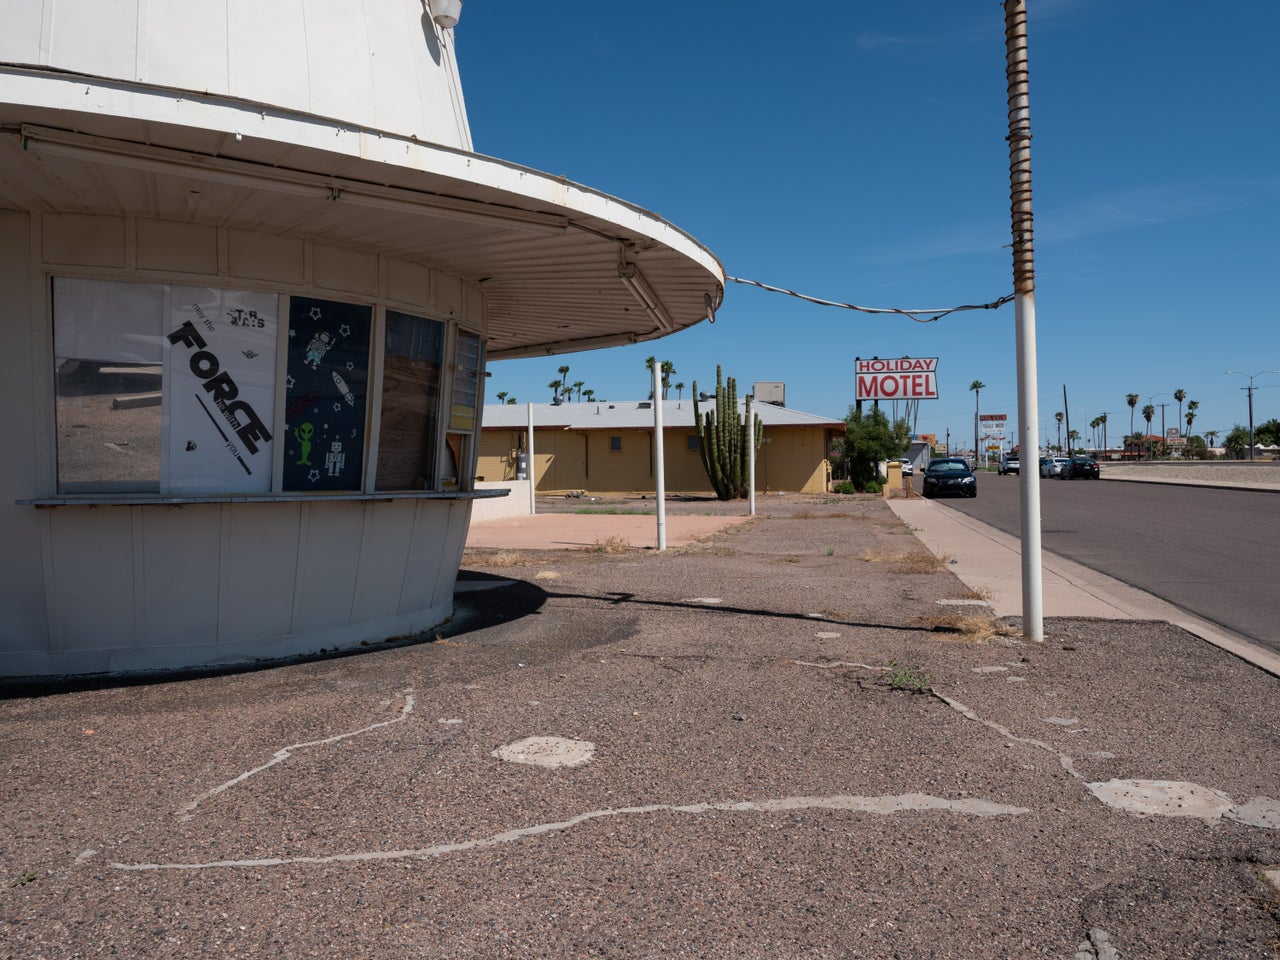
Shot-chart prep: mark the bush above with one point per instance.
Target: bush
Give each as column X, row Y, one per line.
column 873, row 486
column 844, row 486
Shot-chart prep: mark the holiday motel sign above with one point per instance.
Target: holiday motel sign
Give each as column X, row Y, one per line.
column 908, row 378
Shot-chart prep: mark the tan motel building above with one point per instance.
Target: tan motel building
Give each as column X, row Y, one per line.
column 607, row 447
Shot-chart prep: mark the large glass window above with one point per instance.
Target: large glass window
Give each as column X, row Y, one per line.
column 325, row 391
column 172, row 390
column 163, row 389
column 408, row 438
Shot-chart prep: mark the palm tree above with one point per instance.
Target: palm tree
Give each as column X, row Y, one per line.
column 1094, row 424
column 576, row 388
column 1058, row 416
column 1147, row 413
column 1211, row 435
column 679, row 391
column 977, row 387
column 1132, row 400
column 668, row 370
column 1179, row 395
column 590, row 395
column 554, row 387
column 1102, row 418
column 1072, row 437
column 1192, row 407
column 502, row 396
column 512, row 401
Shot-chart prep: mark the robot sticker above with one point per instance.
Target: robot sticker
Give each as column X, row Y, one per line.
column 326, row 394
column 334, row 459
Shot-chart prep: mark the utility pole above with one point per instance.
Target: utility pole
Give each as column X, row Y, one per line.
column 1024, row 290
column 1250, row 388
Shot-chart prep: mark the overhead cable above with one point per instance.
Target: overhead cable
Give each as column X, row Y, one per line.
column 919, row 316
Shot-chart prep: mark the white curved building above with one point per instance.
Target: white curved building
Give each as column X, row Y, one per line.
column 251, row 273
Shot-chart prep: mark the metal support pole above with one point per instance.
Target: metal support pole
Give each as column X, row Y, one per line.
column 659, row 461
column 532, row 471
column 751, row 466
column 1016, row 73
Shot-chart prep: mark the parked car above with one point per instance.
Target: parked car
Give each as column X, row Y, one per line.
column 1085, row 467
column 908, row 469
column 1009, row 463
column 1052, row 466
column 949, row 476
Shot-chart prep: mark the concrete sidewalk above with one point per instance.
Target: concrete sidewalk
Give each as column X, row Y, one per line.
column 990, row 562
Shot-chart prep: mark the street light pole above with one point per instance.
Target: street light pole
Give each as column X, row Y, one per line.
column 1250, row 390
column 1017, row 72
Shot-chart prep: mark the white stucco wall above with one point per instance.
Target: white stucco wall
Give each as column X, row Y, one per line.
column 106, row 587
column 381, row 64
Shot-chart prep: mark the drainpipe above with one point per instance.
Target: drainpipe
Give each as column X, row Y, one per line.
column 1024, row 286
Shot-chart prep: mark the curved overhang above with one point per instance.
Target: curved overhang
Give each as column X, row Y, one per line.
column 562, row 267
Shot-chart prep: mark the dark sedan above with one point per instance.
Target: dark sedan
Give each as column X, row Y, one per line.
column 949, row 476
column 1085, row 467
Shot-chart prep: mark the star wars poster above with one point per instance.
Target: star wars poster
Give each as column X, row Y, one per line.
column 219, row 385
column 325, row 394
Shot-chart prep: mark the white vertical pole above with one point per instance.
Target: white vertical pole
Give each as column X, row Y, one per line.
column 751, row 465
column 659, row 461
column 533, row 470
column 1024, row 287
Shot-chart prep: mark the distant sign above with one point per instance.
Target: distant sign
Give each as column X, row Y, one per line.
column 993, row 425
column 908, row 378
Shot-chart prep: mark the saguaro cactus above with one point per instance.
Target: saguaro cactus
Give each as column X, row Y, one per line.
column 722, row 439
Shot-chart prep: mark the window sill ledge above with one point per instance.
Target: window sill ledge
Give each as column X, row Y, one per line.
column 136, row 500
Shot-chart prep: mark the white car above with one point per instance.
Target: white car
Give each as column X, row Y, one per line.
column 907, row 468
column 1052, row 466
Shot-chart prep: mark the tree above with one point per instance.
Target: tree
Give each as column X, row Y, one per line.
column 1132, row 400
column 869, row 438
column 1237, row 442
column 554, row 387
column 1268, row 433
column 1148, row 412
column 1210, row 436
column 1072, row 437
column 723, row 439
column 590, row 395
column 1102, row 418
column 1058, row 416
column 977, row 387
column 512, row 401
column 576, row 387
column 1094, row 424
column 679, row 391
column 502, row 396
column 1196, row 448
column 1192, row 407
column 1179, row 395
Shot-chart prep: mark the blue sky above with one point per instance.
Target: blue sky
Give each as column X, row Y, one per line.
column 855, row 152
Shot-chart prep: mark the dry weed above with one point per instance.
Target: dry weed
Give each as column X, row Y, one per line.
column 906, row 561
column 812, row 515
column 611, row 545
column 500, row 558
column 976, row 628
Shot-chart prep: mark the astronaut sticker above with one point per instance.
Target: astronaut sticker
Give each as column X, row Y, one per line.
column 326, row 394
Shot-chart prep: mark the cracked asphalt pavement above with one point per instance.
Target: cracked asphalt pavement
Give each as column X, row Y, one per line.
column 794, row 751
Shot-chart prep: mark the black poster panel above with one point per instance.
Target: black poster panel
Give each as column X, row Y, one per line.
column 326, row 390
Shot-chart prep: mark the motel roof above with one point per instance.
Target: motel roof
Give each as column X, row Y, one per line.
column 634, row 415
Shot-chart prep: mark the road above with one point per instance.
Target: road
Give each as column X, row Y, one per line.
column 1213, row 552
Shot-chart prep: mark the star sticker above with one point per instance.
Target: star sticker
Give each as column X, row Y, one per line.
column 292, row 332
column 288, row 381
column 344, row 330
column 313, row 476
column 337, row 405
column 315, row 313
column 350, row 365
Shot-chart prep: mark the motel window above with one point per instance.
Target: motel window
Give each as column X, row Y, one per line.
column 615, row 444
column 173, row 390
column 691, row 443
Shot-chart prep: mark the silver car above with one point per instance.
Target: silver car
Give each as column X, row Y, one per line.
column 1052, row 466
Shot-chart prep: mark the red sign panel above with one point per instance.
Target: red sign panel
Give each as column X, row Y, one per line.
column 908, row 378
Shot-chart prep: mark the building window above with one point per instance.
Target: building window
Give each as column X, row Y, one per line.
column 326, row 389
column 408, row 439
column 172, row 391
column 163, row 389
column 615, row 444
column 691, row 443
